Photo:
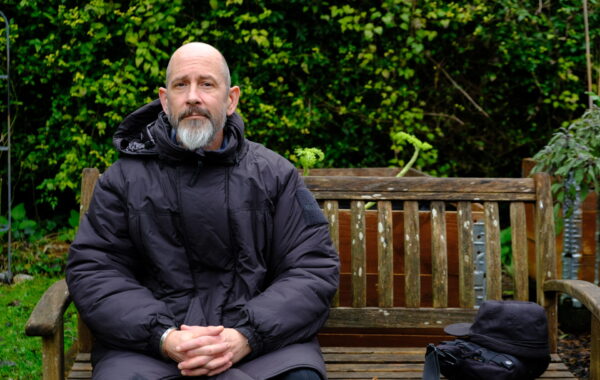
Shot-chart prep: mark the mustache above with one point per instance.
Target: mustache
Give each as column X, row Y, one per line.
column 195, row 111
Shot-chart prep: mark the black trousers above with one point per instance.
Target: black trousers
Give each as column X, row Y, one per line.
column 299, row 374
column 128, row 365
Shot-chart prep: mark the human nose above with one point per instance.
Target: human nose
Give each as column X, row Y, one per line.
column 193, row 95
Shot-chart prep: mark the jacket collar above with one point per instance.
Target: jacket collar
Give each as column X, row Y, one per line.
column 146, row 132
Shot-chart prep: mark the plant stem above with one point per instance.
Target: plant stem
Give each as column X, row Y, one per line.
column 402, row 172
column 409, row 164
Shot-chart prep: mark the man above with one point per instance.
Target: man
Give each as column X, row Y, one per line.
column 202, row 253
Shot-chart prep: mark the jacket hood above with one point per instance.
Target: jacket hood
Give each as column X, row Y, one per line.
column 147, row 132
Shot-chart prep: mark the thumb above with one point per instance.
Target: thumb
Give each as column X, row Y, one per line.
column 215, row 330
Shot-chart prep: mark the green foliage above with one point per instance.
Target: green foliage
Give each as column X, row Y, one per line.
column 308, row 158
column 22, row 228
column 506, row 251
column 32, row 245
column 38, row 258
column 573, row 156
column 484, row 82
column 402, row 138
column 78, row 71
column 67, row 234
column 22, row 355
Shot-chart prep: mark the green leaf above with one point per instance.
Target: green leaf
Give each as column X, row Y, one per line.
column 74, row 219
column 18, row 212
column 27, row 225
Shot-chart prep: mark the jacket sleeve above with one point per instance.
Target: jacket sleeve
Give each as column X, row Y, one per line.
column 306, row 273
column 101, row 275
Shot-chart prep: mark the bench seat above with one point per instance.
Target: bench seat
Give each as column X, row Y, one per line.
column 361, row 363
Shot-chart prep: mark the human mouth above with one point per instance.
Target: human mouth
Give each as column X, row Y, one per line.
column 195, row 113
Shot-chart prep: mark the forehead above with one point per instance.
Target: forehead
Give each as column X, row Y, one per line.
column 195, row 65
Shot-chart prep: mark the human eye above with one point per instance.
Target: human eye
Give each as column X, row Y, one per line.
column 179, row 84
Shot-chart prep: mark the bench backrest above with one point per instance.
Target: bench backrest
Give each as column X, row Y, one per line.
column 418, row 239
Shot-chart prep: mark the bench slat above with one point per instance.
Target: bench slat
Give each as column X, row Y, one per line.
column 390, row 363
column 358, row 235
column 503, row 187
column 466, row 256
column 493, row 261
column 412, row 291
column 519, row 250
column 330, row 210
column 397, row 317
column 439, row 254
column 427, row 196
column 385, row 250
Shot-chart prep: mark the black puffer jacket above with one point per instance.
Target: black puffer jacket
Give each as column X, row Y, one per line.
column 229, row 237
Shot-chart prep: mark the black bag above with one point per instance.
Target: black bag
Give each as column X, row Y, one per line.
column 463, row 360
column 507, row 341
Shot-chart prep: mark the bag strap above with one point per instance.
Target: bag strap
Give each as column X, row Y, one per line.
column 501, row 359
column 431, row 370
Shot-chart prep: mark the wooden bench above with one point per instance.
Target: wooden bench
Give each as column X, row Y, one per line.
column 402, row 280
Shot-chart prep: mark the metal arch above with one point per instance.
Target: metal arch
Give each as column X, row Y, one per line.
column 7, row 276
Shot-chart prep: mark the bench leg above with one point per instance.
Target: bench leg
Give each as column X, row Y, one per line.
column 595, row 350
column 53, row 355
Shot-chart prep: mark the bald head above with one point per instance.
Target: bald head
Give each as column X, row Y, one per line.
column 199, row 50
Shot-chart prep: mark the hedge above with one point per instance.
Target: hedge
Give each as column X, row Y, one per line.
column 485, row 83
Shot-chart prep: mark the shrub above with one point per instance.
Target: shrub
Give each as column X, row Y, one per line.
column 484, row 82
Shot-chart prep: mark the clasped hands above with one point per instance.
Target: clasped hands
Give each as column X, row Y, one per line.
column 205, row 350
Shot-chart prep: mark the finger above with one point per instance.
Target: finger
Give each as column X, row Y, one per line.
column 218, row 362
column 194, row 363
column 209, row 350
column 220, row 370
column 203, row 330
column 194, row 372
column 197, row 343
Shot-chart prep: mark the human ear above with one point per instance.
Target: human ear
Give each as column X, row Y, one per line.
column 232, row 99
column 162, row 95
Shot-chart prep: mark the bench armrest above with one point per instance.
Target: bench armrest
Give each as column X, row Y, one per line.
column 589, row 295
column 584, row 291
column 47, row 316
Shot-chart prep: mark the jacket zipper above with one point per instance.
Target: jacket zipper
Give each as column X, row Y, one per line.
column 186, row 244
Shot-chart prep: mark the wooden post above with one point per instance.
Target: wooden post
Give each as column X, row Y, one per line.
column 88, row 182
column 544, row 234
column 53, row 354
column 89, row 178
column 551, row 306
column 595, row 350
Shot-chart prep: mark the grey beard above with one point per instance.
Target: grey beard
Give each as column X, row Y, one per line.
column 195, row 133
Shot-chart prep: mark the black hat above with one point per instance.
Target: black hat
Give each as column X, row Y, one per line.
column 514, row 327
